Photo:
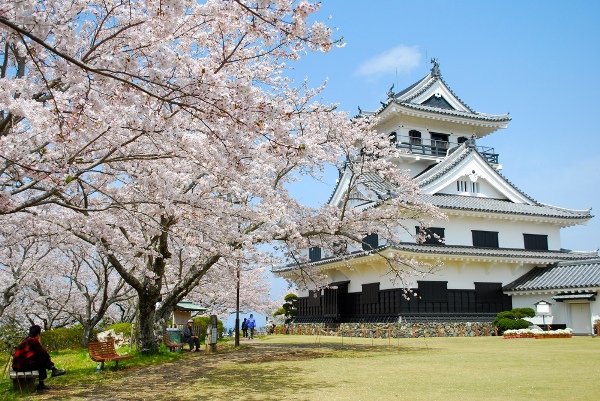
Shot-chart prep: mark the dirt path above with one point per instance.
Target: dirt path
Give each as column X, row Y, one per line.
column 159, row 382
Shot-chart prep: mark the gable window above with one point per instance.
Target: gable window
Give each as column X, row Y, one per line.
column 466, row 186
column 371, row 241
column 433, row 235
column 314, row 253
column 536, row 242
column 485, row 239
column 414, row 137
column 370, row 293
column 433, row 291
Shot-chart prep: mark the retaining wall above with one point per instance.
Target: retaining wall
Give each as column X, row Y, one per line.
column 393, row 330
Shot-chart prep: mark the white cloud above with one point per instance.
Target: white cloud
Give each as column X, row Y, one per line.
column 399, row 59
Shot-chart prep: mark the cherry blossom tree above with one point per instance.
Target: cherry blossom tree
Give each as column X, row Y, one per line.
column 165, row 134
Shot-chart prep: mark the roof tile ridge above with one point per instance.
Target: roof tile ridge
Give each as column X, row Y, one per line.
column 429, row 77
column 456, row 96
column 565, row 209
column 441, row 168
column 508, row 181
column 480, row 116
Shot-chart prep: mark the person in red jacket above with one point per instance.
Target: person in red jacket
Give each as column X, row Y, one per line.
column 31, row 355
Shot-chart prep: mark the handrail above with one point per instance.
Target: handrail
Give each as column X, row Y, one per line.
column 436, row 147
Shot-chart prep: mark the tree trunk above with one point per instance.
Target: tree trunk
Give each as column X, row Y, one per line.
column 147, row 334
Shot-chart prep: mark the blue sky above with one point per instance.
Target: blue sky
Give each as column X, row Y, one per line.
column 536, row 60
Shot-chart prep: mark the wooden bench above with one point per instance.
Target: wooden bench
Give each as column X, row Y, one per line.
column 104, row 351
column 24, row 381
column 170, row 344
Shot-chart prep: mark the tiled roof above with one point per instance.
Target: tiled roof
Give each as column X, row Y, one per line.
column 564, row 275
column 457, row 250
column 454, row 157
column 478, row 204
column 406, row 98
column 457, row 113
column 473, row 203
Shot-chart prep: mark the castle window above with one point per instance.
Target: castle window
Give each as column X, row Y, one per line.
column 314, row 298
column 314, row 253
column 433, row 291
column 536, row 242
column 485, row 239
column 371, row 241
column 393, row 137
column 370, row 293
column 434, row 235
column 465, row 186
column 488, row 292
column 414, row 137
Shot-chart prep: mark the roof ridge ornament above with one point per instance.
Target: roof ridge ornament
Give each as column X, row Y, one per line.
column 435, row 70
column 471, row 142
column 390, row 92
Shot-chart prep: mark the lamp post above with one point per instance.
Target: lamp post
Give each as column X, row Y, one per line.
column 237, row 309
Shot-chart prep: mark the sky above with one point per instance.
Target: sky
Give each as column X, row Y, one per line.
column 536, row 60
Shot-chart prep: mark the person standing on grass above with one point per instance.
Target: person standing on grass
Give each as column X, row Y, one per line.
column 31, row 355
column 251, row 326
column 190, row 338
column 245, row 328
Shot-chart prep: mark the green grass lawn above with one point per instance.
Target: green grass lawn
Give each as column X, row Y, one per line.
column 81, row 369
column 481, row 368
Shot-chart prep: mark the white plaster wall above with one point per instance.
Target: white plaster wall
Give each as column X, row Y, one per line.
column 458, row 274
column 510, row 233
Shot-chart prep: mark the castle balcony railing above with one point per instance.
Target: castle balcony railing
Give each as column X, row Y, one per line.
column 438, row 148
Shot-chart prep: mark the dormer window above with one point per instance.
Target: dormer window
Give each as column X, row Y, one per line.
column 414, row 137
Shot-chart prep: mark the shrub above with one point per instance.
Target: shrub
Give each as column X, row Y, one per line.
column 123, row 328
column 202, row 322
column 62, row 338
column 513, row 319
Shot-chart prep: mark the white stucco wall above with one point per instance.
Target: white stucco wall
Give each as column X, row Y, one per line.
column 510, row 233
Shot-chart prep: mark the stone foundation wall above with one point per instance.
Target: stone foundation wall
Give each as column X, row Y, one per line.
column 395, row 330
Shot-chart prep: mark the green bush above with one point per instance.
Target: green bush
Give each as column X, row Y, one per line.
column 202, row 322
column 513, row 319
column 122, row 328
column 62, row 338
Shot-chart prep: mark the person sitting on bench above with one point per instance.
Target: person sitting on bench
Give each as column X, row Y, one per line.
column 190, row 338
column 31, row 355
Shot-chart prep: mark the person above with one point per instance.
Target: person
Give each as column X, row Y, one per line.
column 190, row 338
column 31, row 355
column 251, row 325
column 271, row 327
column 245, row 328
